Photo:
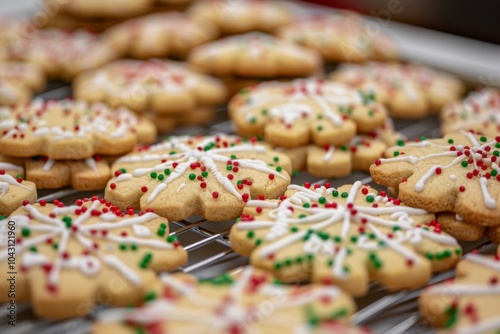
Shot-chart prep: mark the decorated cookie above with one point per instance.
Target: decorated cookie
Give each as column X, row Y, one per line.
column 470, row 302
column 457, row 173
column 212, row 176
column 160, row 35
column 409, row 91
column 69, row 129
column 340, row 38
column 71, row 257
column 64, row 21
column 227, row 304
column 14, row 190
column 349, row 236
column 62, row 54
column 164, row 87
column 255, row 55
column 305, row 111
column 479, row 112
column 110, row 9
column 18, row 82
column 236, row 17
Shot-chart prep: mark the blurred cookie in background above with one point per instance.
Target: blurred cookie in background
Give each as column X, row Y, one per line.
column 98, row 9
column 18, row 81
column 162, row 35
column 236, row 17
column 340, row 38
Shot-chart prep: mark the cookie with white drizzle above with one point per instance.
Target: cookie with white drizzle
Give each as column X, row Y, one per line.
column 14, row 190
column 469, row 303
column 339, row 38
column 68, row 256
column 330, row 161
column 231, row 305
column 457, row 173
column 408, row 91
column 349, row 236
column 213, row 176
column 305, row 111
column 61, row 54
column 479, row 112
column 68, row 129
column 255, row 55
column 163, row 87
column 236, row 17
column 18, row 82
column 162, row 35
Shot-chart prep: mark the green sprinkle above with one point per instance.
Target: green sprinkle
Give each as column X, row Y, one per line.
column 68, row 221
column 250, row 234
column 204, row 174
column 493, row 172
column 343, row 148
column 337, row 239
column 302, row 215
column 335, row 193
column 354, row 239
column 401, row 143
column 447, row 253
column 161, row 177
column 294, row 229
column 396, row 228
column 258, row 242
column 287, row 263
column 172, row 152
column 370, row 198
column 167, row 171
column 423, row 138
column 278, row 169
column 233, row 157
column 306, row 205
column 160, row 232
column 55, row 245
column 25, row 232
column 320, row 116
column 344, row 195
column 33, row 249
column 229, row 167
column 123, row 170
column 464, row 163
column 396, row 153
column 276, row 159
column 123, row 247
column 430, row 256
column 153, row 175
column 450, row 141
column 310, row 257
column 172, row 238
column 253, row 120
column 192, row 176
column 458, row 251
column 323, row 235
column 133, row 247
column 483, row 139
column 264, row 112
column 372, row 236
column 496, row 153
column 322, row 200
column 330, row 262
column 319, row 128
column 299, row 260
column 150, row 296
column 439, row 256
column 277, row 266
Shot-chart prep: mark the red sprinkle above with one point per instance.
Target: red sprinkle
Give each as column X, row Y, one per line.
column 112, row 185
column 144, row 189
column 215, row 194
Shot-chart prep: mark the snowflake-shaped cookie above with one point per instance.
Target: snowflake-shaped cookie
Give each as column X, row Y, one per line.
column 255, row 55
column 160, row 35
column 457, row 173
column 236, row 17
column 348, row 235
column 469, row 303
column 62, row 54
column 165, row 87
column 69, row 129
column 339, row 38
column 330, row 161
column 213, row 176
column 409, row 91
column 68, row 257
column 18, row 81
column 479, row 111
column 14, row 190
column 305, row 111
column 226, row 304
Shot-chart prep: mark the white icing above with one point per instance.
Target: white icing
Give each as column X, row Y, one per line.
column 48, row 164
column 8, row 166
column 141, row 231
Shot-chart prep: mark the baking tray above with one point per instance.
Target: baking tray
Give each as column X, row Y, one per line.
column 207, row 242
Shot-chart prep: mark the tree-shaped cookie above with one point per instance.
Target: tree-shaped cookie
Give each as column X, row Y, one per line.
column 161, row 35
column 226, row 304
column 68, row 258
column 255, row 55
column 457, row 173
column 340, row 38
column 409, row 91
column 479, row 111
column 165, row 87
column 213, row 176
column 348, row 236
column 470, row 302
column 305, row 111
column 68, row 129
column 14, row 190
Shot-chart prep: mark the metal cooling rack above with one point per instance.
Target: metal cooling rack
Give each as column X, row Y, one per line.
column 210, row 252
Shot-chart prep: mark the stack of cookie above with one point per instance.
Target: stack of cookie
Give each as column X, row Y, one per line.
column 59, row 143
column 325, row 127
column 168, row 92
